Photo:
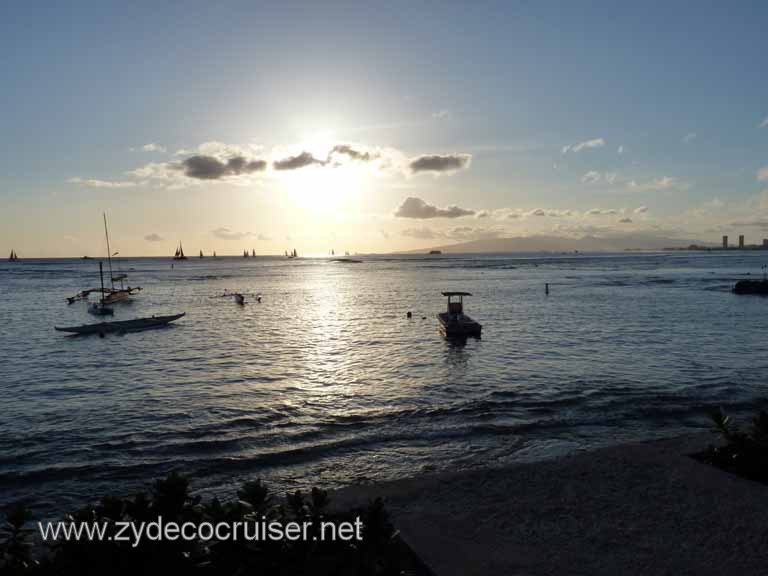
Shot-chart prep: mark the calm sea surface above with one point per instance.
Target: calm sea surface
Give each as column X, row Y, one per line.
column 326, row 382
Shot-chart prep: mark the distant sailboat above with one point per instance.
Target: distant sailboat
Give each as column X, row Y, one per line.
column 253, row 253
column 214, row 253
column 245, row 253
column 179, row 255
column 13, row 257
column 201, row 253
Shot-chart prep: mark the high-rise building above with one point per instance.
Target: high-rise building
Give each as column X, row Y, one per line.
column 741, row 240
column 725, row 242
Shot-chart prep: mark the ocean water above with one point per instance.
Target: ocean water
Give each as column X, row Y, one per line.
column 326, row 382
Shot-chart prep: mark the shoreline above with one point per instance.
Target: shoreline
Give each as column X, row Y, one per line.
column 638, row 508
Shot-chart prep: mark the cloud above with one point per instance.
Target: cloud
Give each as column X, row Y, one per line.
column 354, row 154
column 762, row 174
column 764, row 123
column 542, row 212
column 153, row 237
column 152, row 147
column 263, row 238
column 440, row 114
column 591, row 177
column 610, row 177
column 625, row 221
column 641, row 210
column 578, row 147
column 663, row 183
column 203, row 167
column 688, row 138
column 418, row 208
column 384, row 234
column 620, row 150
column 437, row 163
column 296, row 162
column 227, row 234
column 95, row 183
column 483, row 214
column 601, row 212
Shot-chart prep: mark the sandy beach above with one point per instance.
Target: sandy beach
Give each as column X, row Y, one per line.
column 644, row 508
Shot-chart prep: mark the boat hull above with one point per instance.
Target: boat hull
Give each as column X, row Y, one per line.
column 458, row 326
column 136, row 325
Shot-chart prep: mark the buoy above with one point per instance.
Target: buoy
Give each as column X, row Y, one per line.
column 409, row 315
column 546, row 288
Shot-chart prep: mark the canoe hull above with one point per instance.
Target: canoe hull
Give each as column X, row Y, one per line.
column 136, row 325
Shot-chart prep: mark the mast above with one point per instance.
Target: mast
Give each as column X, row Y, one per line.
column 109, row 252
column 181, row 250
column 101, row 275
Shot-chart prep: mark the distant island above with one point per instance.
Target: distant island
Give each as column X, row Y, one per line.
column 543, row 243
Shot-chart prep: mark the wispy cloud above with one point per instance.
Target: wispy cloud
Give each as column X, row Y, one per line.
column 591, row 177
column 418, row 208
column 641, row 210
column 579, row 146
column 153, row 147
column 764, row 123
column 440, row 114
column 96, row 183
column 625, row 221
column 153, row 237
column 663, row 183
column 620, row 149
column 762, row 174
column 688, row 138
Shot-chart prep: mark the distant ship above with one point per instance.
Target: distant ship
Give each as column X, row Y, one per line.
column 293, row 254
column 179, row 255
column 435, row 252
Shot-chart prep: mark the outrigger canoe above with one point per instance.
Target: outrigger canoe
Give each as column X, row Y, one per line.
column 135, row 325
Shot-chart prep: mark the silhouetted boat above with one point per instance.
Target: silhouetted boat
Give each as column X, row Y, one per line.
column 110, row 295
column 435, row 252
column 135, row 325
column 454, row 323
column 751, row 287
column 179, row 255
column 13, row 257
column 201, row 253
column 101, row 308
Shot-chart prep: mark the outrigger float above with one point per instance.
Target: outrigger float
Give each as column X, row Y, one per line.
column 454, row 323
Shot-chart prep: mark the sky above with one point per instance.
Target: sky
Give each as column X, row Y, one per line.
column 378, row 127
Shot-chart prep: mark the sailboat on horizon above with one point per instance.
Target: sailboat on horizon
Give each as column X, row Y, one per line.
column 179, row 255
column 13, row 257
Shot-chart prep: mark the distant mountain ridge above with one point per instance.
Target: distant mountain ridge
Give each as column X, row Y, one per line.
column 561, row 244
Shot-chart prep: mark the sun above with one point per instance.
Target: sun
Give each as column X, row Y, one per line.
column 333, row 187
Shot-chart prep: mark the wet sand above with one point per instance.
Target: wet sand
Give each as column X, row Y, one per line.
column 644, row 508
